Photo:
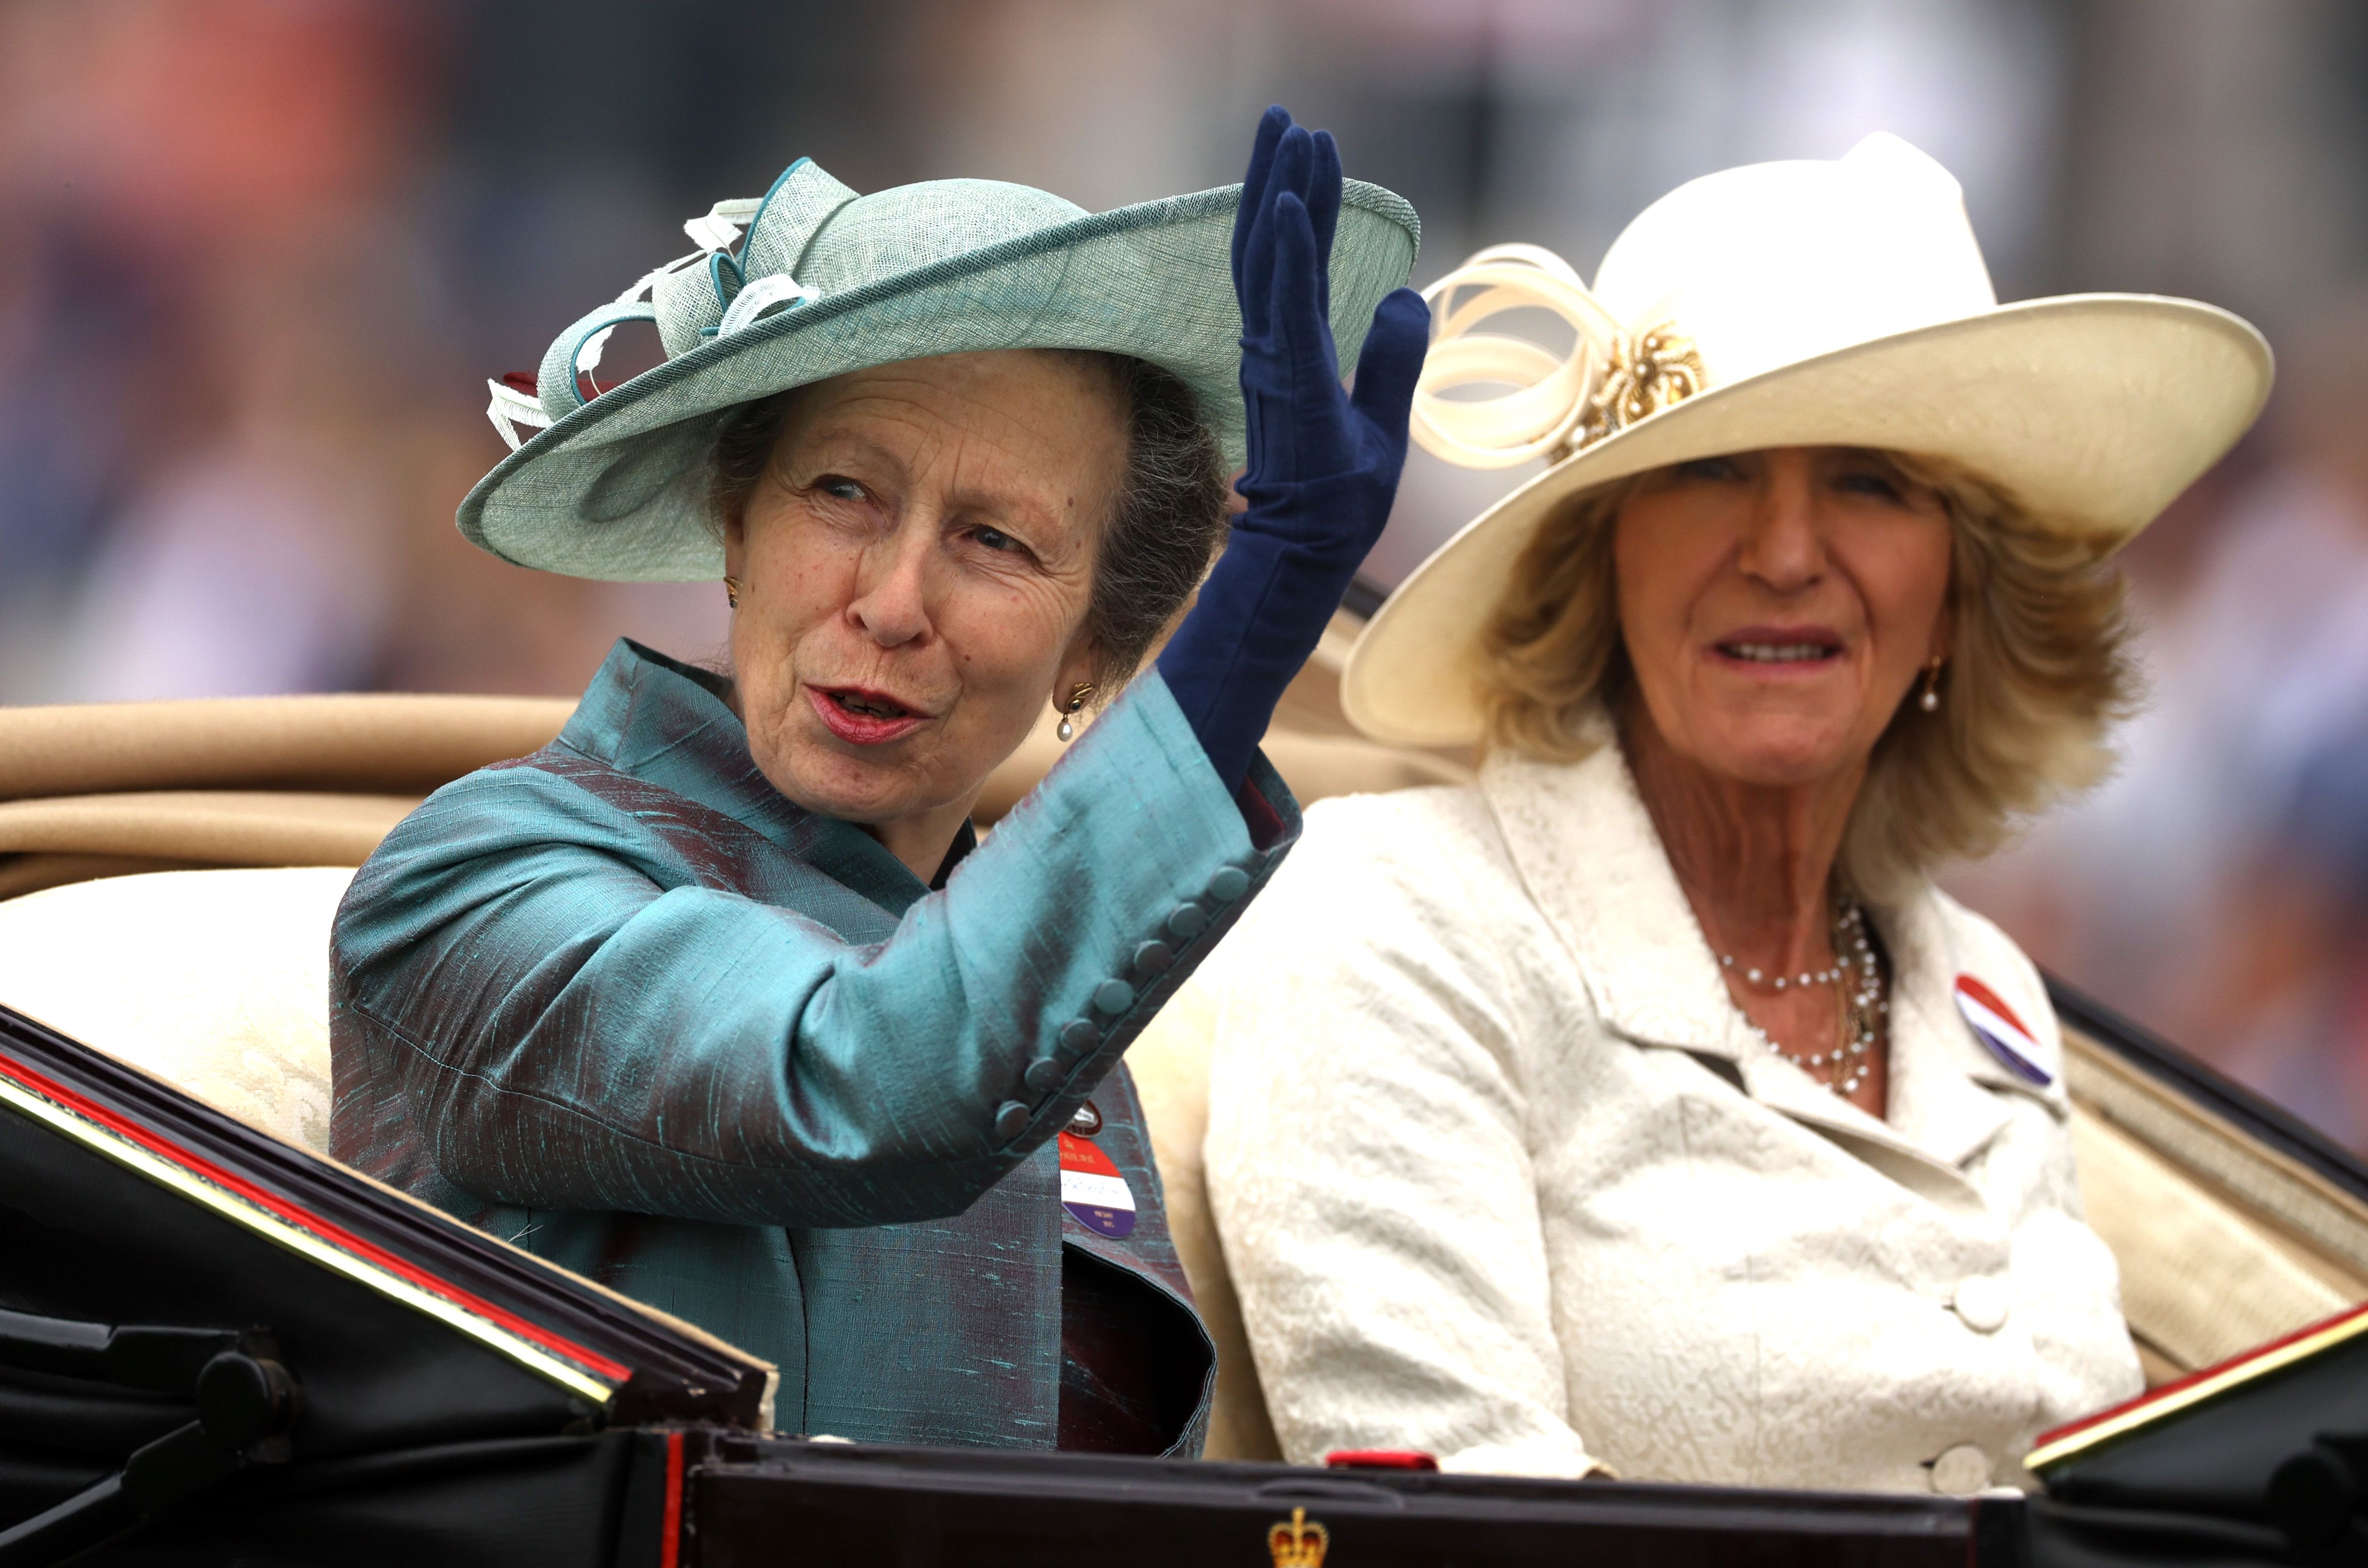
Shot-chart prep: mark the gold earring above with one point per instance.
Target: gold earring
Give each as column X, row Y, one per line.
column 1930, row 701
column 732, row 592
column 1078, row 695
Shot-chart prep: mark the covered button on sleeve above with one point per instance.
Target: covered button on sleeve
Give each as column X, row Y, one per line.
column 1961, row 1472
column 1113, row 996
column 1982, row 1302
column 1043, row 1073
column 1153, row 958
column 1010, row 1121
column 1078, row 1036
column 1229, row 884
column 1187, row 921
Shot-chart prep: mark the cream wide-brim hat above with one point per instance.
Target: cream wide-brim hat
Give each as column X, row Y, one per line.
column 1806, row 303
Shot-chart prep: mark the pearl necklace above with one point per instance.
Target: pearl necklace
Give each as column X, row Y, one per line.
column 1862, row 1000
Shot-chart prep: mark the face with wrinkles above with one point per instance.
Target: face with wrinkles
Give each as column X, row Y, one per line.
column 1778, row 606
column 917, row 565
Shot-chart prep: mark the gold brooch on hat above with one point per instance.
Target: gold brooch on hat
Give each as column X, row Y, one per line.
column 1653, row 370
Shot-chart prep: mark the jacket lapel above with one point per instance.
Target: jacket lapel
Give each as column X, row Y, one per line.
column 1948, row 1090
column 1934, row 1098
column 1590, row 859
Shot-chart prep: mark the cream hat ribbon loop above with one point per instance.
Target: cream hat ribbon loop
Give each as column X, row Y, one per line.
column 1559, row 403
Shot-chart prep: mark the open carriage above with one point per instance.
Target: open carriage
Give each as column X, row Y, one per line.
column 217, row 1344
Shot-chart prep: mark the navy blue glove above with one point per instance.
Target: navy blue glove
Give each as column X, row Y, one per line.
column 1323, row 462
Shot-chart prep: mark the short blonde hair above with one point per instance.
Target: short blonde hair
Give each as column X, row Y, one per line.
column 2039, row 670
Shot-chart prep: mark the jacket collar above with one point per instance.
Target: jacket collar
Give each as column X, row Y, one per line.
column 669, row 723
column 1589, row 857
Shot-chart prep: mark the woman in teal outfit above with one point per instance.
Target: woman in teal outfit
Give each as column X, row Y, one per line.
column 717, row 998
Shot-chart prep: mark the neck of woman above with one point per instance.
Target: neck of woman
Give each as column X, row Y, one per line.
column 1755, row 861
column 923, row 839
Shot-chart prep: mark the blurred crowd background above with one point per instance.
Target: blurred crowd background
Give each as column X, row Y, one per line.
column 258, row 257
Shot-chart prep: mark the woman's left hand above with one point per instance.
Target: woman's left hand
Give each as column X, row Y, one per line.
column 1324, row 462
column 1305, row 430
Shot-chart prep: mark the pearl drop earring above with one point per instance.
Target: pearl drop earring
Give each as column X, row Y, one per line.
column 1076, row 699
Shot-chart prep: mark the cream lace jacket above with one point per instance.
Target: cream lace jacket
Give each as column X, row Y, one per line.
column 1501, row 1173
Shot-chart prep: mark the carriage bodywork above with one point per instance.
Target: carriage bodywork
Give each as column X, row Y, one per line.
column 423, row 1388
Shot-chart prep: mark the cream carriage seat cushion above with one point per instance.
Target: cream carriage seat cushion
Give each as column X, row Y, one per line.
column 216, row 981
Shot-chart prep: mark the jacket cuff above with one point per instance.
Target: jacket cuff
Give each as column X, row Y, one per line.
column 1178, row 887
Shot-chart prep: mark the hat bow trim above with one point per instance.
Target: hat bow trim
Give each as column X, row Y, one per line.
column 1559, row 403
column 708, row 293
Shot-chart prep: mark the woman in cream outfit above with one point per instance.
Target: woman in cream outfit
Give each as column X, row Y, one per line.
column 1643, row 1108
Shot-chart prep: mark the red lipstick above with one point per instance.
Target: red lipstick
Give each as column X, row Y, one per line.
column 860, row 716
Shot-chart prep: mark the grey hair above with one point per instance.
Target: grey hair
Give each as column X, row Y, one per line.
column 1167, row 523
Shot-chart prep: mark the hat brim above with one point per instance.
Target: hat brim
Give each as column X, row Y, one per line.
column 616, row 489
column 2093, row 411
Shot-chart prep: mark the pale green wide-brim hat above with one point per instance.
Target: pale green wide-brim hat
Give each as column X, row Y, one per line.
column 827, row 281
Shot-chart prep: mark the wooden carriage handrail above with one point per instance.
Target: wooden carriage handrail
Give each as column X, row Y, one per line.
column 113, row 789
column 374, row 743
column 207, row 827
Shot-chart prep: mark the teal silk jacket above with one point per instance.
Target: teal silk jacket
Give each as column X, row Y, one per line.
column 623, row 1004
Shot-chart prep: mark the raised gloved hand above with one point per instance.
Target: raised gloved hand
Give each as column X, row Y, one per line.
column 1324, row 462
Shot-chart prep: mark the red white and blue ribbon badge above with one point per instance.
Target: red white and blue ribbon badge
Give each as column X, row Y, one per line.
column 1093, row 1192
column 1999, row 1029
